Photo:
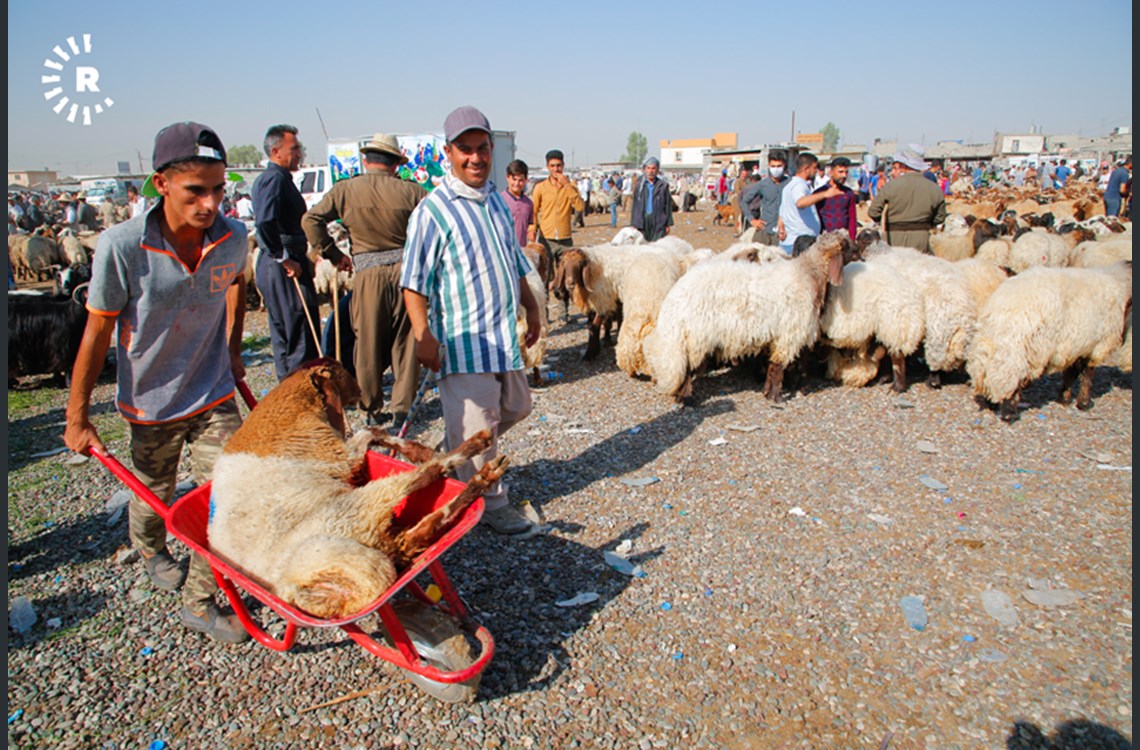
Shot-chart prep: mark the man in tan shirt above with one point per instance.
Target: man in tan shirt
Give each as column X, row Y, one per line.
column 375, row 208
column 913, row 205
column 555, row 201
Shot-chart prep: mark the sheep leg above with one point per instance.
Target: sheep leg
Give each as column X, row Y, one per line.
column 1084, row 389
column 414, row 452
column 1009, row 411
column 374, row 502
column 410, row 543
column 594, row 344
column 898, row 373
column 935, row 379
column 1069, row 378
column 774, row 384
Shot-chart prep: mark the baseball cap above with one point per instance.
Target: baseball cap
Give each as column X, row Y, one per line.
column 463, row 119
column 182, row 141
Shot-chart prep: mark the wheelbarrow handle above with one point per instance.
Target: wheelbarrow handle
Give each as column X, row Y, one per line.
column 246, row 394
column 133, row 483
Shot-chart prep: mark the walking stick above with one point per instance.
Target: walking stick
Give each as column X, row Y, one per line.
column 309, row 317
column 336, row 313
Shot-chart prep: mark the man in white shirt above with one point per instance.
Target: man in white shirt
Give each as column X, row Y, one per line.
column 798, row 215
column 135, row 202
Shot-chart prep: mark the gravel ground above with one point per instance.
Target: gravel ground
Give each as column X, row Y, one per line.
column 776, row 544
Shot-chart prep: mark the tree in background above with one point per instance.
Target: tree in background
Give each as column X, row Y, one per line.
column 243, row 155
column 830, row 134
column 635, row 148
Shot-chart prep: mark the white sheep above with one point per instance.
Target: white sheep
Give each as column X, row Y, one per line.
column 874, row 303
column 1040, row 247
column 1049, row 320
column 73, row 249
column 729, row 309
column 1101, row 252
column 949, row 310
column 628, row 236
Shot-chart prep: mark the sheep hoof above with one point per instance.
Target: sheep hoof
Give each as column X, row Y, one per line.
column 1084, row 405
column 935, row 380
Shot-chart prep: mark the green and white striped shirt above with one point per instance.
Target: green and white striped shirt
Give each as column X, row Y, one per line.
column 462, row 254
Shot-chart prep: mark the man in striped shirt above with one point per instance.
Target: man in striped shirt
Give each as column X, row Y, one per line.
column 461, row 278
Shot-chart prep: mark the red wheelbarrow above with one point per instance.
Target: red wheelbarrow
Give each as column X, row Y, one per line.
column 427, row 635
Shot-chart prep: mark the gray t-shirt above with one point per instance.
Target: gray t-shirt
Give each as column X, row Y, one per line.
column 172, row 354
column 769, row 193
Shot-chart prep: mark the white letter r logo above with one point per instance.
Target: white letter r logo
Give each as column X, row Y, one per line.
column 86, row 79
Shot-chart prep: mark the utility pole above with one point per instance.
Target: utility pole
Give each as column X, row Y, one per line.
column 792, row 139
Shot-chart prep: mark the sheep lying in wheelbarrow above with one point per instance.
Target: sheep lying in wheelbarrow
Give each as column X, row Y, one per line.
column 292, row 506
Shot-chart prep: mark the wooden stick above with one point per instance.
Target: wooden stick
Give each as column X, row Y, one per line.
column 342, row 699
column 336, row 315
column 309, row 317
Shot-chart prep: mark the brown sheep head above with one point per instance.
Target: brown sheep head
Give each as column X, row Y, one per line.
column 834, row 247
column 336, row 387
column 575, row 278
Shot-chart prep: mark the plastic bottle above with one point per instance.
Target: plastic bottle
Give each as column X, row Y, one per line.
column 23, row 615
column 913, row 612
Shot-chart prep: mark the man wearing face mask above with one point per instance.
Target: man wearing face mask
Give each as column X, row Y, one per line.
column 761, row 202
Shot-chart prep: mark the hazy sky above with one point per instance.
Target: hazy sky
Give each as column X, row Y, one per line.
column 579, row 76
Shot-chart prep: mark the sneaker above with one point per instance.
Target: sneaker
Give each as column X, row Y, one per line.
column 507, row 521
column 221, row 627
column 164, row 571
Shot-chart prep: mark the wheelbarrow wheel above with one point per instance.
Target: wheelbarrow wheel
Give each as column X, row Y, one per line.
column 441, row 644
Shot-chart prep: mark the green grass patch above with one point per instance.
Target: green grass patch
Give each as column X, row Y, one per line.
column 255, row 343
column 29, row 399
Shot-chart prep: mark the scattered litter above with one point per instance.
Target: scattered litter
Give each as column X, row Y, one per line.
column 730, row 647
column 968, row 639
column 433, row 592
column 1052, row 597
column 625, row 547
column 743, row 427
column 634, row 430
column 1110, row 467
column 933, row 483
column 54, row 623
column 1017, row 486
column 926, row 446
column 797, row 511
column 16, row 715
column 991, row 655
column 708, row 591
column 551, row 375
column 999, row 606
column 679, row 656
column 666, row 606
column 586, row 597
column 667, row 506
column 1028, row 471
column 914, row 612
column 117, row 500
column 1041, row 417
column 23, row 615
column 970, row 543
column 623, row 566
column 77, row 460
column 881, row 519
column 157, row 745
column 52, row 452
column 947, row 500
column 718, row 441
column 1100, row 457
column 640, row 481
column 578, row 431
column 146, row 651
column 902, row 403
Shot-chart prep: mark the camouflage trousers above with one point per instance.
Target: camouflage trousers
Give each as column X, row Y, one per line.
column 155, row 452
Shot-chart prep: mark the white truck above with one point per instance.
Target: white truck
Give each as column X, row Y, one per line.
column 427, row 162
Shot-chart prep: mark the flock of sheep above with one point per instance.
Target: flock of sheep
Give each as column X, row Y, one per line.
column 1005, row 301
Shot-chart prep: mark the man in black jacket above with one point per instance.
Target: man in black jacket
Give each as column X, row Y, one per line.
column 283, row 264
column 652, row 211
